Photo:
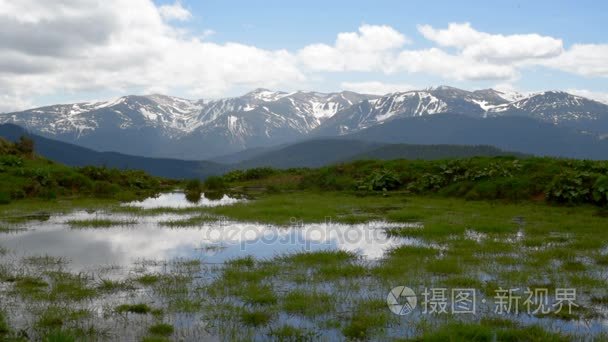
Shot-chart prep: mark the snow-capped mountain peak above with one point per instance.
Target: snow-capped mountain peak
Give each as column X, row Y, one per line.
column 557, row 107
column 197, row 128
column 265, row 95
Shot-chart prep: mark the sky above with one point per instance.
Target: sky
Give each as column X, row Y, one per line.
column 66, row 51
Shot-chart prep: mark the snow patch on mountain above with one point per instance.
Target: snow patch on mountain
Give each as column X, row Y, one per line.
column 263, row 117
column 484, row 104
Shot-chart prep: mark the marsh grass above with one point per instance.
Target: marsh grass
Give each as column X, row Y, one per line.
column 601, row 260
column 190, row 222
column 325, row 265
column 242, row 271
column 4, row 328
column 172, row 285
column 99, row 223
column 444, row 266
column 140, row 309
column 161, row 329
column 45, row 261
column 155, row 338
column 488, row 331
column 256, row 318
column 308, row 207
column 290, row 333
column 185, row 305
column 460, row 244
column 324, row 257
column 30, row 287
column 368, row 317
column 13, row 219
column 56, row 317
column 60, row 335
column 255, row 294
column 139, row 211
column 308, row 304
column 33, row 209
column 574, row 313
column 112, row 286
column 5, row 229
column 70, row 287
column 600, row 300
column 148, row 279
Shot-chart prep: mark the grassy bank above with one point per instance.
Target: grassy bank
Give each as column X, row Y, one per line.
column 481, row 223
column 548, row 179
column 24, row 175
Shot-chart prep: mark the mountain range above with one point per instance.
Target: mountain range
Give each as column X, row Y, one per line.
column 164, row 126
column 310, row 153
column 550, row 123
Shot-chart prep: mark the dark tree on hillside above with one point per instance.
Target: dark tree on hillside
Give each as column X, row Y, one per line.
column 25, row 145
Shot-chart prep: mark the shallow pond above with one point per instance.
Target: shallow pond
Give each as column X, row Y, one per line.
column 128, row 244
column 147, row 238
column 131, row 237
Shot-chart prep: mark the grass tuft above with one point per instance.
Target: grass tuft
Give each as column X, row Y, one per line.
column 162, row 329
column 140, row 308
column 99, row 223
column 255, row 318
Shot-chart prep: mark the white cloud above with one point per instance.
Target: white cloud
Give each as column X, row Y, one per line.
column 583, row 59
column 132, row 47
column 437, row 62
column 378, row 48
column 498, row 47
column 12, row 102
column 369, row 49
column 371, row 38
column 76, row 46
column 376, row 87
column 456, row 35
column 594, row 95
column 174, row 12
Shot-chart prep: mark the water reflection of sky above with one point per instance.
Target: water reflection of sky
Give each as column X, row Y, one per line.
column 178, row 200
column 212, row 242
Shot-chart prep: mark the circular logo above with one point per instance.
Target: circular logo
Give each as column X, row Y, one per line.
column 401, row 300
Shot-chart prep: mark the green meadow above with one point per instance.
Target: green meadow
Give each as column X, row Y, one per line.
column 486, row 224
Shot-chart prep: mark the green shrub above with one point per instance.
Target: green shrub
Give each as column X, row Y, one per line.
column 459, row 189
column 5, row 198
column 25, row 145
column 215, row 183
column 193, row 196
column 17, row 194
column 381, row 180
column 428, row 182
column 49, row 193
column 600, row 190
column 73, row 180
column 214, row 195
column 96, row 173
column 259, row 173
column 105, row 189
column 328, row 179
column 193, row 185
column 11, row 161
column 571, row 187
column 234, row 176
